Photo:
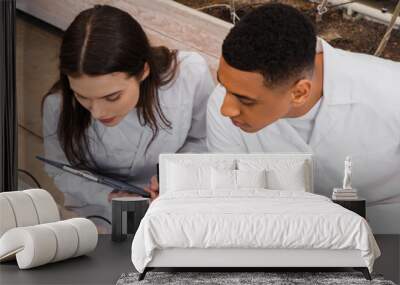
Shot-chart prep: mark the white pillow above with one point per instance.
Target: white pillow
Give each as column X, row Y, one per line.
column 286, row 179
column 282, row 174
column 251, row 178
column 223, row 179
column 183, row 178
column 235, row 179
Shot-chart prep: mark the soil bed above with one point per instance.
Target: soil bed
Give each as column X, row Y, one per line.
column 354, row 34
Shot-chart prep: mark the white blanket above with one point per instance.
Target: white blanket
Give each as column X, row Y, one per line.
column 250, row 219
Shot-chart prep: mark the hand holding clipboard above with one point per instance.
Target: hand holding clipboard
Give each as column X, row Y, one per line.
column 101, row 179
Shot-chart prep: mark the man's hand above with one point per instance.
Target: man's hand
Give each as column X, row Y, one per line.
column 153, row 188
column 119, row 193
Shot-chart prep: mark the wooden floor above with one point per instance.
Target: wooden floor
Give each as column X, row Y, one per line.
column 110, row 259
column 165, row 21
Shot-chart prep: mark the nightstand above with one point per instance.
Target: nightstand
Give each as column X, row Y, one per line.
column 357, row 206
column 127, row 212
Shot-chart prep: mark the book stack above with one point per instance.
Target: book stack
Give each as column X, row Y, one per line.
column 344, row 194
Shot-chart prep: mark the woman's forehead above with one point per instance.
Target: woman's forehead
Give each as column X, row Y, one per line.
column 100, row 85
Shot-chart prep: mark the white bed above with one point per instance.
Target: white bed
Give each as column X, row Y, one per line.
column 201, row 220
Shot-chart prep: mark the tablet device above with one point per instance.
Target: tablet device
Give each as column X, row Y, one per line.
column 101, row 179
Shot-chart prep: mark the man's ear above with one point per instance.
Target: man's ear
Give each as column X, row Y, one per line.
column 145, row 72
column 300, row 92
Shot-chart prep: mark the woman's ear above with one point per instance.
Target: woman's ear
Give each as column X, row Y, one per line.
column 146, row 72
column 301, row 92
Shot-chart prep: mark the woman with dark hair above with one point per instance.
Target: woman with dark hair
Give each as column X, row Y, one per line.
column 119, row 103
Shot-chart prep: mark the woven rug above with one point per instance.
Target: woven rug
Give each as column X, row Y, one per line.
column 244, row 278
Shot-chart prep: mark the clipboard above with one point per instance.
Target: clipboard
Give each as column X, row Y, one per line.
column 101, row 179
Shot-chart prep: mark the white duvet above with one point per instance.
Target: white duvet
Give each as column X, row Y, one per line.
column 250, row 219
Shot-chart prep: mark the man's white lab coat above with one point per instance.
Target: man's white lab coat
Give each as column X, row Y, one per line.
column 122, row 149
column 359, row 116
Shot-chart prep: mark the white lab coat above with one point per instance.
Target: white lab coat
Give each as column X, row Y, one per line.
column 359, row 116
column 121, row 148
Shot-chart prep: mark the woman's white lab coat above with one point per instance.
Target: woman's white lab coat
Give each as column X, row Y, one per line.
column 359, row 116
column 121, row 148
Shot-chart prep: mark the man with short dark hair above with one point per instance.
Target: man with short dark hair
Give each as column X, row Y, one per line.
column 282, row 89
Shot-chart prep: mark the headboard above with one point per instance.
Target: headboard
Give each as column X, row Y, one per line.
column 215, row 158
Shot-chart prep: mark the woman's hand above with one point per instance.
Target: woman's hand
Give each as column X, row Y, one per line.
column 119, row 193
column 153, row 188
